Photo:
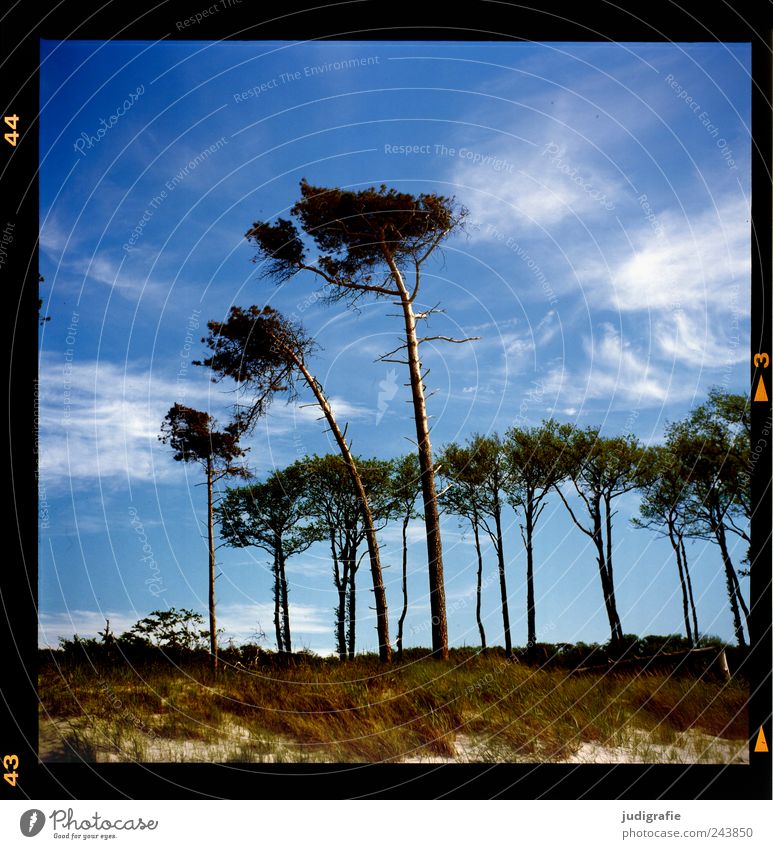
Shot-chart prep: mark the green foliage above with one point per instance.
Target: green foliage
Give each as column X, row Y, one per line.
column 474, row 476
column 172, row 629
column 712, row 444
column 269, row 514
column 405, row 485
column 331, row 497
column 534, row 464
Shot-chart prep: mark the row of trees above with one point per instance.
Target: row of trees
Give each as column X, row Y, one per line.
column 682, row 496
column 375, row 243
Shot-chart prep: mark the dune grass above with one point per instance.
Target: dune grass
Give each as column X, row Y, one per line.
column 474, row 707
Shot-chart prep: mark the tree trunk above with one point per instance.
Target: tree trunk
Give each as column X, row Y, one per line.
column 502, row 579
column 531, row 615
column 288, row 643
column 437, row 594
column 682, row 584
column 744, row 608
column 695, row 630
column 340, row 584
column 614, row 618
column 211, row 548
column 277, row 602
column 731, row 580
column 598, row 539
column 404, row 611
column 352, row 552
column 479, row 588
column 379, row 593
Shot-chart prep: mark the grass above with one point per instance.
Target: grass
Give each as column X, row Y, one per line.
column 474, row 707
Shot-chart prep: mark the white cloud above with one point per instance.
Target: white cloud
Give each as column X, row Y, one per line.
column 551, row 183
column 85, row 623
column 618, row 371
column 101, row 420
column 240, row 620
column 693, row 263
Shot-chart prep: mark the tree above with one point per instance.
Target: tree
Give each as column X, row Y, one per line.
column 713, row 445
column 192, row 435
column 481, row 466
column 271, row 516
column 170, row 629
column 732, row 414
column 462, row 495
column 404, row 489
column 601, row 469
column 665, row 508
column 333, row 502
column 266, row 353
column 533, row 463
column 375, row 242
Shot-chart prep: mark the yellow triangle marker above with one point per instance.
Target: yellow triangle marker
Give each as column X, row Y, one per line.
column 761, row 394
column 761, row 745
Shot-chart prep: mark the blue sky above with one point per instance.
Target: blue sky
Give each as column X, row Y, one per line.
column 605, row 267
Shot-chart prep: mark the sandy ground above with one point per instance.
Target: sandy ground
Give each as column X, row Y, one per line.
column 59, row 743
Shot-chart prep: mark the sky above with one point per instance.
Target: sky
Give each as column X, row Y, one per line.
column 605, row 266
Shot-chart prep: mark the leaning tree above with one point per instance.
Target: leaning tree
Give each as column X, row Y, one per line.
column 192, row 435
column 375, row 242
column 715, row 452
column 266, row 353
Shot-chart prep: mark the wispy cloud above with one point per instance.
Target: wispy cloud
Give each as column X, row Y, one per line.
column 618, row 370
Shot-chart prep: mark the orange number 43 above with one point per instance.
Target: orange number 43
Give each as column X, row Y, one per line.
column 11, row 762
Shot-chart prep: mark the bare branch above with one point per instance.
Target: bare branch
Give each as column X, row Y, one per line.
column 447, row 339
column 571, row 513
column 389, row 353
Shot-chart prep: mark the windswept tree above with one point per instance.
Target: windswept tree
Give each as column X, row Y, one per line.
column 462, row 495
column 533, row 463
column 375, row 242
column 266, row 353
column 404, row 491
column 731, row 414
column 333, row 503
column 172, row 629
column 193, row 437
column 665, row 509
column 271, row 516
column 600, row 469
column 715, row 451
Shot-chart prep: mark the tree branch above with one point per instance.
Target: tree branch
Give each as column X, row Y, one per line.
column 447, row 339
column 571, row 513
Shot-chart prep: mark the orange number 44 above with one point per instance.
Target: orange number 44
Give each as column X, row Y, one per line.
column 11, row 138
column 11, row 762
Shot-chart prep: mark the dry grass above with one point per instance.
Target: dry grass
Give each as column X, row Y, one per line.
column 474, row 707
